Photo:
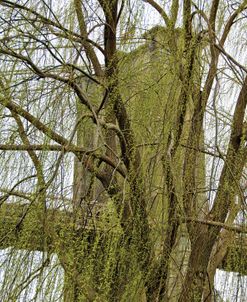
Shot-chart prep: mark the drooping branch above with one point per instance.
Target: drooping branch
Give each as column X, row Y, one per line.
column 57, row 137
column 65, row 32
column 28, row 233
column 83, row 29
column 214, row 60
column 43, row 74
column 160, row 10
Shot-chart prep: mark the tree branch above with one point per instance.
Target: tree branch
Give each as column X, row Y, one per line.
column 214, row 61
column 70, row 82
column 174, row 13
column 230, row 22
column 238, row 229
column 89, row 50
column 58, row 138
column 230, row 58
column 28, row 234
column 44, row 147
column 67, row 33
column 213, row 13
column 160, row 10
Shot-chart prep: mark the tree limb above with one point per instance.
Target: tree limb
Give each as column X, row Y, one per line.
column 89, row 50
column 160, row 10
column 213, row 13
column 29, row 234
column 57, row 137
column 237, row 229
column 67, row 33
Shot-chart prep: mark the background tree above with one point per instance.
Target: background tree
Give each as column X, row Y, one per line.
column 121, row 153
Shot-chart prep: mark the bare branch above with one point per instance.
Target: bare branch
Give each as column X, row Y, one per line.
column 66, row 33
column 89, row 50
column 229, row 57
column 213, row 13
column 233, row 228
column 160, row 10
column 55, row 136
column 230, row 22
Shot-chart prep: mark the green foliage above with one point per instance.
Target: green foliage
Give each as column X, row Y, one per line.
column 128, row 224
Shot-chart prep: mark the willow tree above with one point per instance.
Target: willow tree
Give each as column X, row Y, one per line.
column 118, row 153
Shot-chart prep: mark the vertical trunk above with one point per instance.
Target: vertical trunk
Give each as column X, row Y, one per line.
column 75, row 289
column 218, row 253
column 193, row 284
column 76, row 286
column 70, row 288
column 82, row 178
column 84, row 195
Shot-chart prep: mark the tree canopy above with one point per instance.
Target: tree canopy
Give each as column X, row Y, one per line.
column 123, row 149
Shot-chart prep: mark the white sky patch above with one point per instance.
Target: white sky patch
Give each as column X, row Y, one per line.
column 232, row 287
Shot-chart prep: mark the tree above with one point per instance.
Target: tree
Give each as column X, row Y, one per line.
column 105, row 147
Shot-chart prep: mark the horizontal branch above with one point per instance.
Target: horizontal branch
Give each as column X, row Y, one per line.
column 42, row 147
column 31, row 235
column 64, row 148
column 29, row 195
column 236, row 228
column 219, row 155
column 12, row 106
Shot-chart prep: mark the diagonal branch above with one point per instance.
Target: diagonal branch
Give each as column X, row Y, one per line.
column 42, row 74
column 69, row 34
column 230, row 22
column 160, row 10
column 58, row 138
column 83, row 30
